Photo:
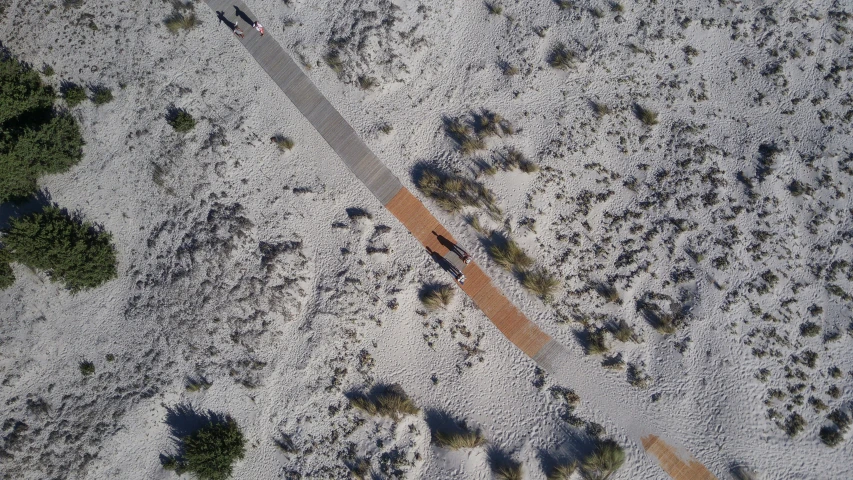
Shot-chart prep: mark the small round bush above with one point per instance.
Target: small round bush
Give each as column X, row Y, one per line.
column 830, row 436
column 74, row 95
column 809, row 329
column 210, row 452
column 87, row 368
column 102, row 96
column 181, row 121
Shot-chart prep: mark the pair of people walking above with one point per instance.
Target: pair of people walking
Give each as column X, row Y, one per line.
column 257, row 26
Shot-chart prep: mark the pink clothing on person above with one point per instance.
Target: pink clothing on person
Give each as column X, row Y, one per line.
column 259, row 27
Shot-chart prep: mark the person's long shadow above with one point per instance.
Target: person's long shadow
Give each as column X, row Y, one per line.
column 242, row 15
column 222, row 19
column 443, row 263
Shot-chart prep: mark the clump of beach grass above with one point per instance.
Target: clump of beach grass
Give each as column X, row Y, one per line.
column 453, row 192
column 596, row 341
column 508, row 471
column 645, row 115
column 458, row 440
column 178, row 21
column 607, row 457
column 562, row 471
column 506, row 253
column 561, row 57
column 283, row 143
column 392, row 401
column 436, row 296
column 540, row 282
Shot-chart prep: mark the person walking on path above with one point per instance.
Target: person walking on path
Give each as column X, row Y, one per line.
column 238, row 31
column 259, row 27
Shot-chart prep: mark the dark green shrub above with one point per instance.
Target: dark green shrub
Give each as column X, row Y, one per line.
column 211, row 451
column 809, row 329
column 21, row 90
column 102, row 95
column 794, row 424
column 180, row 120
column 830, row 436
column 7, row 276
column 73, row 94
column 33, row 138
column 70, row 251
column 50, row 147
column 87, row 368
column 30, row 150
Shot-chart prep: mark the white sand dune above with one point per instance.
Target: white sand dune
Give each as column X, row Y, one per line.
column 238, row 262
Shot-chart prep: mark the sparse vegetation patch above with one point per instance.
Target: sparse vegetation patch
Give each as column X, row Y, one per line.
column 387, row 401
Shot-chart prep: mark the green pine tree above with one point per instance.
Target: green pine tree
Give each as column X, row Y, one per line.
column 72, row 252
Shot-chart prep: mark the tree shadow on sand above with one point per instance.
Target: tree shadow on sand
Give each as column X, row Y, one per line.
column 184, row 419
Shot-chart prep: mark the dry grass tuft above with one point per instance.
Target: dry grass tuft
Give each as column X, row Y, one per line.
column 364, row 404
column 601, row 463
column 393, row 402
column 178, row 21
column 645, row 115
column 436, row 296
column 623, row 332
column 507, row 254
column 283, row 143
column 540, row 282
column 453, row 192
column 334, row 61
column 596, row 342
column 508, row 472
column 563, row 471
column 458, row 440
column 471, row 145
column 561, row 57
column 367, row 83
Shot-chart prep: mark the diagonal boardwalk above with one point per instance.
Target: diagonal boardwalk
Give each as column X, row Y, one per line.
column 411, row 212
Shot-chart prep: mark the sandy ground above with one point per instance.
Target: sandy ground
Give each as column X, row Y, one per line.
column 238, row 263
